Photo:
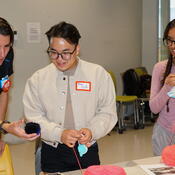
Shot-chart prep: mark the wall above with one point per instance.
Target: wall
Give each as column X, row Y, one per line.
column 149, row 33
column 110, row 29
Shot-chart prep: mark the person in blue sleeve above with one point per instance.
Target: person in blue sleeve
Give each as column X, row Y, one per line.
column 6, row 70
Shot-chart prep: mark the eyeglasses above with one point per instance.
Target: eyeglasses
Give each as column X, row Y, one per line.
column 169, row 42
column 53, row 54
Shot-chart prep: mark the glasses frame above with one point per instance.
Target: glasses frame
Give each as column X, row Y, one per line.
column 60, row 54
column 171, row 42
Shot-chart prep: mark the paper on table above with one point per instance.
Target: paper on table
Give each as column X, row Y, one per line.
column 158, row 169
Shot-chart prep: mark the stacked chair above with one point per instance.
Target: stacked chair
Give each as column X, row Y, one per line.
column 137, row 82
column 122, row 101
column 6, row 167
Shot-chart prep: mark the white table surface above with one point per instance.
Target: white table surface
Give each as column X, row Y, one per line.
column 131, row 167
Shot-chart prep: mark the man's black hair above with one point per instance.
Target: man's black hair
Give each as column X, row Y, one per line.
column 64, row 30
column 6, row 30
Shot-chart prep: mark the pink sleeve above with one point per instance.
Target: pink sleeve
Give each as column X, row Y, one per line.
column 158, row 96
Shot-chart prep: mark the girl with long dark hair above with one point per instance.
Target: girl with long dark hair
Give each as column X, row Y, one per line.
column 163, row 79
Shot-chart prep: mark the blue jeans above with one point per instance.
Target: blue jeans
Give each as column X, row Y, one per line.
column 161, row 138
column 38, row 161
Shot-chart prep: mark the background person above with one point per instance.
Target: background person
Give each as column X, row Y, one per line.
column 163, row 79
column 6, row 70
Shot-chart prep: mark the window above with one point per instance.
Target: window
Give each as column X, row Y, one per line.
column 166, row 14
column 164, row 18
column 172, row 9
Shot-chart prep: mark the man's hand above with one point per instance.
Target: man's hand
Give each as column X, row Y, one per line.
column 86, row 136
column 70, row 137
column 2, row 146
column 15, row 129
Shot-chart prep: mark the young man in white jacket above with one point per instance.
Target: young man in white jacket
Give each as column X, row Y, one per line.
column 72, row 100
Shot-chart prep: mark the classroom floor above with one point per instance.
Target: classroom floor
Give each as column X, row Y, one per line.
column 132, row 144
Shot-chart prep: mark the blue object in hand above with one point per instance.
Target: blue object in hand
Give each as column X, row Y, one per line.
column 171, row 93
column 82, row 149
column 32, row 127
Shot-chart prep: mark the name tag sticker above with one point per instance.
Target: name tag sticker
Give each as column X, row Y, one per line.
column 83, row 86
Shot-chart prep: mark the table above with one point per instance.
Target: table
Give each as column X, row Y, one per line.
column 131, row 167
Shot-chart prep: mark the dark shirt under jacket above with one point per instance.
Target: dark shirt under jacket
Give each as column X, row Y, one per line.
column 7, row 66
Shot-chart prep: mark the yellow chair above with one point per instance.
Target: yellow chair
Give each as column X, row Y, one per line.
column 122, row 101
column 6, row 167
column 141, row 71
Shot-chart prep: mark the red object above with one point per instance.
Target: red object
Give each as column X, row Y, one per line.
column 168, row 155
column 104, row 170
column 6, row 86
